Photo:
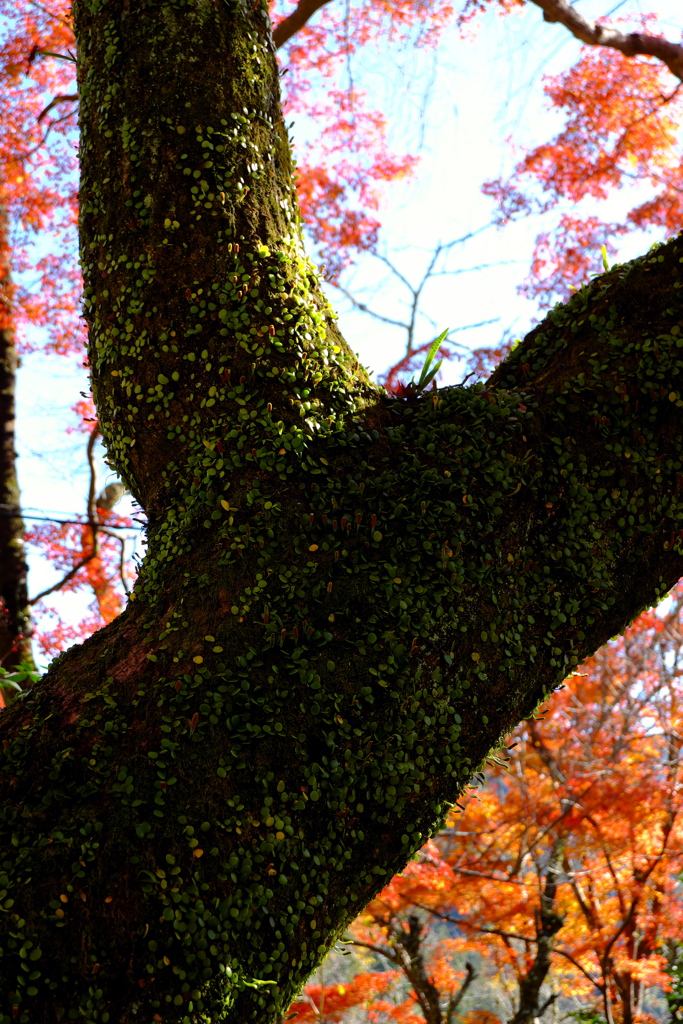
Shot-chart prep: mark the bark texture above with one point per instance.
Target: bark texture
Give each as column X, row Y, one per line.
column 15, row 615
column 347, row 599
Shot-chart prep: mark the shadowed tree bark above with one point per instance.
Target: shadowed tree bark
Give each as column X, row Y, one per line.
column 347, row 599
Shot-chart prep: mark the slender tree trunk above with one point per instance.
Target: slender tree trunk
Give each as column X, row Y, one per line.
column 548, row 924
column 15, row 615
column 407, row 943
column 347, row 600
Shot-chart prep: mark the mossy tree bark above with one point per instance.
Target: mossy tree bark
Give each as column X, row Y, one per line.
column 347, row 600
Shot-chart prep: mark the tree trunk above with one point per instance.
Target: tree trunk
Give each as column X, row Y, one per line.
column 15, row 615
column 347, row 600
column 407, row 945
column 548, row 924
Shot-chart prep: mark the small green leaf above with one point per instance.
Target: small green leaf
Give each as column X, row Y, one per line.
column 427, row 376
column 60, row 56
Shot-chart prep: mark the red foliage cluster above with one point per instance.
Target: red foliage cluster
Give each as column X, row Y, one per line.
column 38, row 167
column 622, row 125
column 332, row 1002
column 340, row 175
column 67, row 545
column 345, row 167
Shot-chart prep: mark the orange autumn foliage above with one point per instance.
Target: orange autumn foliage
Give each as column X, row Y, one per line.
column 331, row 1002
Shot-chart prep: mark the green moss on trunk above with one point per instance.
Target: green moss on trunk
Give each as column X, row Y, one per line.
column 347, row 600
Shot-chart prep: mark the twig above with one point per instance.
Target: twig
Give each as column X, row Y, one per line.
column 70, row 98
column 93, row 522
column 69, row 576
column 371, row 312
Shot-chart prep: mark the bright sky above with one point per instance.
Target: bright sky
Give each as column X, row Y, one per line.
column 475, row 95
column 483, row 92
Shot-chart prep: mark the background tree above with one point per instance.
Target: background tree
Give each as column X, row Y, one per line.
column 38, row 172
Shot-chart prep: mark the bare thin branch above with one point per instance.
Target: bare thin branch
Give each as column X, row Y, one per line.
column 65, row 579
column 469, row 270
column 382, row 950
column 631, row 44
column 416, row 291
column 122, row 566
column 568, row 956
column 121, row 538
column 470, row 327
column 67, row 98
column 93, row 522
column 456, row 999
column 289, row 26
column 371, row 312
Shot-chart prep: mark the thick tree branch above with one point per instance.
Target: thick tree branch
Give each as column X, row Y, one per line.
column 631, row 44
column 289, row 26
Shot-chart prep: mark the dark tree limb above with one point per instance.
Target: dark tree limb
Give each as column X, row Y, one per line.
column 55, row 101
column 347, row 600
column 457, row 997
column 294, row 22
column 406, row 938
column 631, row 44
